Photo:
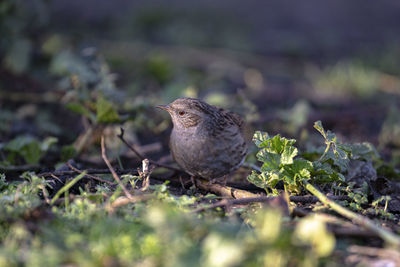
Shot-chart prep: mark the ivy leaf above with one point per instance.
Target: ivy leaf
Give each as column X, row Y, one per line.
column 78, row 108
column 105, row 111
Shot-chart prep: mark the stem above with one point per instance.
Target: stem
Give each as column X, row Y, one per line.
column 67, row 187
column 386, row 235
column 328, row 146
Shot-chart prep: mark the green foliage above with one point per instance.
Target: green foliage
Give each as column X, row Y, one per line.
column 390, row 131
column 279, row 163
column 277, row 155
column 335, row 153
column 105, row 111
column 67, row 152
column 159, row 68
column 348, row 78
column 16, row 19
column 15, row 201
column 93, row 93
column 162, row 231
column 27, row 147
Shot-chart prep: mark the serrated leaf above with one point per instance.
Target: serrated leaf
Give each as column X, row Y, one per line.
column 271, row 161
column 323, row 172
column 278, row 144
column 364, row 151
column 320, row 128
column 259, row 137
column 299, row 170
column 288, row 154
column 328, row 135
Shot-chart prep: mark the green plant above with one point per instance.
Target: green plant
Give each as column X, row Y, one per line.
column 278, row 155
column 297, row 174
column 28, row 148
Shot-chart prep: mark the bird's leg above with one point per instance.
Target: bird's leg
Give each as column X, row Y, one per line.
column 182, row 183
column 212, row 181
column 224, row 180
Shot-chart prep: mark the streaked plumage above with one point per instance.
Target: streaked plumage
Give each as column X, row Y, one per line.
column 205, row 141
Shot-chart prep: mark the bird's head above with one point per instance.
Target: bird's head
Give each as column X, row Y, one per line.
column 188, row 112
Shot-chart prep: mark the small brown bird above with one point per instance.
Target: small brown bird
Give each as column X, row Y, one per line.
column 206, row 141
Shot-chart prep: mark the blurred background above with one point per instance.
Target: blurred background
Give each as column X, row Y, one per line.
column 73, row 70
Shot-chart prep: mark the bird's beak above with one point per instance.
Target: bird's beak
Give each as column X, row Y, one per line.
column 164, row 107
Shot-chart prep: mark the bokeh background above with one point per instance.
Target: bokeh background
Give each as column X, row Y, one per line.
column 280, row 64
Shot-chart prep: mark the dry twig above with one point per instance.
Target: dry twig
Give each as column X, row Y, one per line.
column 88, row 171
column 121, row 201
column 114, row 174
column 139, row 155
column 88, row 175
column 145, row 174
column 230, row 202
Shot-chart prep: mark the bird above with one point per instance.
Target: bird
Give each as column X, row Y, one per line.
column 206, row 141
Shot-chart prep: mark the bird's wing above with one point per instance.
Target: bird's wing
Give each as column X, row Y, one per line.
column 234, row 117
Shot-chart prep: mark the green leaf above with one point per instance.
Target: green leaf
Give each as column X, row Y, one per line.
column 300, row 168
column 279, row 144
column 47, row 143
column 328, row 135
column 259, row 137
column 288, row 154
column 67, row 152
column 320, row 128
column 105, row 111
column 29, row 148
column 31, row 152
column 271, row 161
column 323, row 172
column 335, row 152
column 78, row 108
column 17, row 59
column 276, row 145
column 363, row 151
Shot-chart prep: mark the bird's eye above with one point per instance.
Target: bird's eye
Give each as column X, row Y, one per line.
column 181, row 113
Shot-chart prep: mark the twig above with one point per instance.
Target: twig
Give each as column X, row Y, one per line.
column 230, row 202
column 22, row 168
column 88, row 175
column 141, row 157
column 57, row 178
column 45, row 194
column 352, row 232
column 121, row 201
column 145, row 174
column 314, row 199
column 225, row 191
column 376, row 252
column 386, row 235
column 114, row 174
column 88, row 171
